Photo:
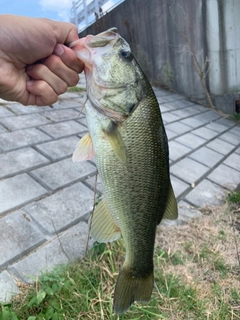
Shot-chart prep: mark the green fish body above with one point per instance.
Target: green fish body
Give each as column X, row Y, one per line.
column 128, row 139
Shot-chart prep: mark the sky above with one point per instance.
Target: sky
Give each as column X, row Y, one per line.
column 52, row 9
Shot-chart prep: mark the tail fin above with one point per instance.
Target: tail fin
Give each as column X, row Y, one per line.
column 130, row 288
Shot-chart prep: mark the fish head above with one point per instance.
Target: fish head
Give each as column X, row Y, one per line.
column 112, row 74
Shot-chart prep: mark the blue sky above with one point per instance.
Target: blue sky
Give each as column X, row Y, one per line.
column 52, row 9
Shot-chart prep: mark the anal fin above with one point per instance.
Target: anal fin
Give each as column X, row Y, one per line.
column 171, row 210
column 84, row 150
column 103, row 228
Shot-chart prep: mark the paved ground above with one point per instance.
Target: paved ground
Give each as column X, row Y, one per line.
column 45, row 199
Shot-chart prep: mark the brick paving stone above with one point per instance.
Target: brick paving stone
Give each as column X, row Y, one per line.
column 230, row 137
column 21, row 138
column 64, row 172
column 238, row 150
column 61, row 115
column 192, row 122
column 177, row 150
column 170, row 98
column 206, row 194
column 189, row 170
column 8, row 287
column 208, row 116
column 170, row 134
column 165, row 108
column 169, row 117
column 160, row 93
column 180, row 104
column 22, row 159
column 178, row 186
column 206, row 156
column 59, row 148
column 216, row 126
column 186, row 112
column 24, row 121
column 2, row 129
column 233, row 161
column 90, row 182
column 225, row 176
column 74, row 103
column 83, row 121
column 226, row 122
column 191, row 140
column 236, row 131
column 205, row 133
column 17, row 191
column 18, row 237
column 70, row 246
column 62, row 209
column 4, row 112
column 178, row 127
column 187, row 212
column 19, row 109
column 62, row 129
column 220, row 146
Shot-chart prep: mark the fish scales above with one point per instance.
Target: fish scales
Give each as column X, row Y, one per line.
column 128, row 138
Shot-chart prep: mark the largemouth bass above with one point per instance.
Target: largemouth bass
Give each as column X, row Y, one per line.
column 128, row 139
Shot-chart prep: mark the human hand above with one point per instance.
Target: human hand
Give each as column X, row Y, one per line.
column 35, row 65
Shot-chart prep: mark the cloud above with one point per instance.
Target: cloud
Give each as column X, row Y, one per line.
column 62, row 8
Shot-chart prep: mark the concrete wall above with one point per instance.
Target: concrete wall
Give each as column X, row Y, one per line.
column 156, row 28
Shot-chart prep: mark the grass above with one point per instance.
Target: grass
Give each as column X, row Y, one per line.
column 76, row 89
column 197, row 276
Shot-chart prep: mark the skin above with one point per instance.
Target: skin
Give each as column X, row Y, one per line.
column 35, row 64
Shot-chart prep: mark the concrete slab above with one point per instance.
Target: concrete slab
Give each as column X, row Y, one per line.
column 63, row 209
column 170, row 134
column 178, row 186
column 8, row 287
column 2, row 129
column 19, row 109
column 62, row 173
column 186, row 112
column 191, row 140
column 205, row 194
column 189, row 170
column 24, row 121
column 206, row 156
column 180, row 104
column 192, row 122
column 21, row 138
column 90, row 182
column 178, row 127
column 238, row 151
column 205, row 133
column 216, row 126
column 4, row 112
column 225, row 176
column 169, row 98
column 17, row 191
column 16, row 161
column 235, row 131
column 230, row 137
column 63, row 129
column 169, row 117
column 233, row 161
column 61, row 115
column 58, row 149
column 208, row 116
column 70, row 246
column 226, row 122
column 220, row 146
column 177, row 150
column 18, row 237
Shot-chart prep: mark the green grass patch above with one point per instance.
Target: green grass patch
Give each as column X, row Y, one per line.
column 76, row 89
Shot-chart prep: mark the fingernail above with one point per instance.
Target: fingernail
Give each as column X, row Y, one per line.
column 58, row 50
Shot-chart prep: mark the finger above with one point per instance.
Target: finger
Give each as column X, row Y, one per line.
column 42, row 72
column 67, row 74
column 68, row 57
column 40, row 93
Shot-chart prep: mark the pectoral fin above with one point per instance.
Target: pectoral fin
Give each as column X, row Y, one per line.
column 171, row 210
column 103, row 228
column 84, row 150
column 113, row 136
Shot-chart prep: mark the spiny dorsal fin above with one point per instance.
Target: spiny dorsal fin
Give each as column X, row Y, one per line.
column 84, row 150
column 103, row 228
column 171, row 210
column 113, row 136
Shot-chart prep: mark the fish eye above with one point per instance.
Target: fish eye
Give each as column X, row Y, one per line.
column 126, row 55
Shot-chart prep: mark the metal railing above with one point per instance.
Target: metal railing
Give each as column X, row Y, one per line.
column 85, row 12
